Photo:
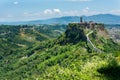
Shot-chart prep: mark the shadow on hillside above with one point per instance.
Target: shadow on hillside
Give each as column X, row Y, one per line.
column 110, row 72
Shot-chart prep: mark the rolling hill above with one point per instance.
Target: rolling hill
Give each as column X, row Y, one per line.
column 17, row 38
column 69, row 57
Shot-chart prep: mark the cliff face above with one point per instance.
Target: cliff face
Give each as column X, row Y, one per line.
column 74, row 34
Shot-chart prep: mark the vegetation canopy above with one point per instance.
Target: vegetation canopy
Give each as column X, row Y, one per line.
column 57, row 52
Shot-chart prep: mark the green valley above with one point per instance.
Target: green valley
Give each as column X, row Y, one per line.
column 58, row 52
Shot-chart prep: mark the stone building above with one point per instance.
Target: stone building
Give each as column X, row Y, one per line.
column 88, row 25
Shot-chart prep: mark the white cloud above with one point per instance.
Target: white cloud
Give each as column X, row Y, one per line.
column 56, row 10
column 48, row 11
column 86, row 10
column 52, row 11
column 79, row 0
column 16, row 2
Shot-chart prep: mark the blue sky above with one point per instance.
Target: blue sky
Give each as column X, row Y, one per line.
column 25, row 10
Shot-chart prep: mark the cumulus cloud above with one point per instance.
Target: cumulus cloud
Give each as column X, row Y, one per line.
column 86, row 10
column 48, row 11
column 16, row 2
column 56, row 10
column 52, row 11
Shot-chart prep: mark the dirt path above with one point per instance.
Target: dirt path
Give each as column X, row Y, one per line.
column 88, row 39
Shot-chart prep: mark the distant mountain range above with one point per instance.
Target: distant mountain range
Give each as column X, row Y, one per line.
column 101, row 18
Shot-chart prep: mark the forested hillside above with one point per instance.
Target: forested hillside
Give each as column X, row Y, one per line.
column 16, row 38
column 71, row 56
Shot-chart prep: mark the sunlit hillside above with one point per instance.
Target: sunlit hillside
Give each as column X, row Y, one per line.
column 70, row 56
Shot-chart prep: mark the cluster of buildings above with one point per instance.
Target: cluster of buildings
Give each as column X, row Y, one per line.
column 88, row 25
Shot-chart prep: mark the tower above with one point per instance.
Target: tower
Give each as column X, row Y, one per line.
column 81, row 20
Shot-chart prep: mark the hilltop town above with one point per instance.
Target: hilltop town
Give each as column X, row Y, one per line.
column 91, row 25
